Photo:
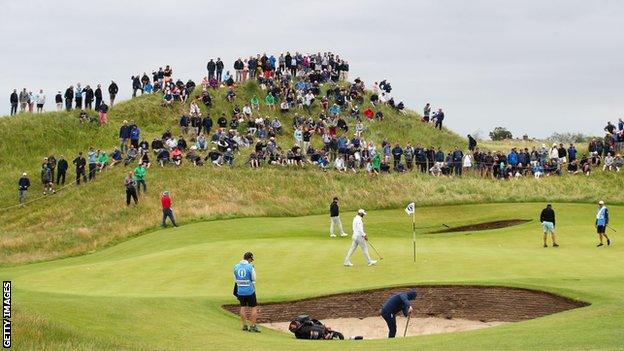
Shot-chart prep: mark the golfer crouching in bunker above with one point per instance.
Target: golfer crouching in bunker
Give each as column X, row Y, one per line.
column 305, row 327
column 395, row 304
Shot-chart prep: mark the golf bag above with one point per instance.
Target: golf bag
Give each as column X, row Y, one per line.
column 305, row 327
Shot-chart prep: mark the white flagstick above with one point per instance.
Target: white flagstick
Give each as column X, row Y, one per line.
column 414, row 230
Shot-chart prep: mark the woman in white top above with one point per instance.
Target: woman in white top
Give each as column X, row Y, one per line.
column 467, row 161
column 608, row 162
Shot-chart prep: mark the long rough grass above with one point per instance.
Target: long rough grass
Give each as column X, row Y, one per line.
column 89, row 217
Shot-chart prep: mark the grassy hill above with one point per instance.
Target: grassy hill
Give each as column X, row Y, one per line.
column 83, row 219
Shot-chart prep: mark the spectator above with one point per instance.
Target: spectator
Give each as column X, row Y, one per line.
column 270, row 101
column 98, row 97
column 124, row 136
column 80, row 162
column 113, row 89
column 165, row 201
column 78, row 96
column 102, row 160
column 59, row 101
column 61, row 170
column 139, row 177
column 69, row 97
column 219, row 67
column 46, row 178
column 439, row 117
column 22, row 185
column 23, row 100
column 92, row 157
column 103, row 113
column 40, row 100
column 89, row 96
column 14, row 100
column 130, row 185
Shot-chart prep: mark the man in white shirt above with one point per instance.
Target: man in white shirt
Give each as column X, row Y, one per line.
column 359, row 238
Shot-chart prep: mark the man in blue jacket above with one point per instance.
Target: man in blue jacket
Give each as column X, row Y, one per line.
column 395, row 304
column 245, row 291
column 602, row 221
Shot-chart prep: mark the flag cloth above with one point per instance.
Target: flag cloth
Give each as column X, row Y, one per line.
column 410, row 208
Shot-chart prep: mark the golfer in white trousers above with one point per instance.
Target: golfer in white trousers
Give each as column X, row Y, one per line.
column 358, row 239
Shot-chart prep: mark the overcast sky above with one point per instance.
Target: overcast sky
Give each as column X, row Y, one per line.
column 532, row 66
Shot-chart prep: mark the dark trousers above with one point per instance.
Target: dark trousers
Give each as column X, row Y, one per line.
column 13, row 109
column 68, row 104
column 219, row 75
column 98, row 102
column 112, row 99
column 92, row 169
column 139, row 182
column 391, row 322
column 88, row 104
column 79, row 103
column 458, row 168
column 438, row 124
column 168, row 213
column 423, row 167
column 80, row 172
column 131, row 193
column 60, row 177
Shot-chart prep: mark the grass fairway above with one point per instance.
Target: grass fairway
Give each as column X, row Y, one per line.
column 163, row 290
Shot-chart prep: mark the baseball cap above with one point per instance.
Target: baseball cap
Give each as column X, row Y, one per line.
column 24, row 174
column 600, row 202
column 248, row 255
column 361, row 211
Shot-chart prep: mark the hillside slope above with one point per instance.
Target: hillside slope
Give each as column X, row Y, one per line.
column 81, row 219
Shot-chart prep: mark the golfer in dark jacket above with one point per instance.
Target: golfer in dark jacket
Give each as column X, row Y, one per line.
column 334, row 219
column 547, row 218
column 395, row 304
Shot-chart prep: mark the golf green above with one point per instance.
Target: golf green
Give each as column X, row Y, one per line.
column 164, row 290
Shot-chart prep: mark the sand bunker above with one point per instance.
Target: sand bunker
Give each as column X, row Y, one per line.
column 483, row 226
column 438, row 309
column 375, row 327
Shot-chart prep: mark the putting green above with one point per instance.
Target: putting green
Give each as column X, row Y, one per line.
column 164, row 290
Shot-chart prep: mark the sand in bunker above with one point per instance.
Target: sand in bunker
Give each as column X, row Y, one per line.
column 376, row 328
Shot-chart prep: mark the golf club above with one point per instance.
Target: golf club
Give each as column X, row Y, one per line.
column 409, row 316
column 373, row 246
column 434, row 226
column 612, row 228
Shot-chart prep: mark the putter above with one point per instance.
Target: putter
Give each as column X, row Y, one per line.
column 373, row 246
column 409, row 316
column 610, row 227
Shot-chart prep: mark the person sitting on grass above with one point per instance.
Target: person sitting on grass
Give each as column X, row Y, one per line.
column 255, row 102
column 618, row 162
column 214, row 156
column 163, row 157
column 131, row 155
column 167, row 98
column 102, row 160
column 608, row 162
column 230, row 95
column 193, row 157
column 176, row 156
column 270, row 101
column 115, row 157
column 573, row 167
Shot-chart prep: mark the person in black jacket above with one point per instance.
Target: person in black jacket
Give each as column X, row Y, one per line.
column 80, row 163
column 547, row 218
column 136, row 85
column 219, row 66
column 89, row 95
column 211, row 66
column 207, row 124
column 69, row 97
column 14, row 99
column 61, row 170
column 334, row 216
column 98, row 97
column 472, row 143
column 59, row 101
column 113, row 89
column 439, row 118
column 23, row 185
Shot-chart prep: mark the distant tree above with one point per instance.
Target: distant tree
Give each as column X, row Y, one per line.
column 567, row 137
column 500, row 133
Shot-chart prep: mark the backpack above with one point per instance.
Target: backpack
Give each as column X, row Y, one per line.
column 305, row 327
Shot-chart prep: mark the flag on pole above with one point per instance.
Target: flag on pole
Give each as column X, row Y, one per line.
column 410, row 209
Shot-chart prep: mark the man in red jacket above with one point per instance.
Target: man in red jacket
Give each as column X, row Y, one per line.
column 165, row 200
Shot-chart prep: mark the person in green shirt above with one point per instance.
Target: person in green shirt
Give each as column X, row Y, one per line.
column 139, row 177
column 255, row 103
column 376, row 164
column 270, row 101
column 102, row 160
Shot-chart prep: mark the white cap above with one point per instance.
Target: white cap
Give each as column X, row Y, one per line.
column 600, row 202
column 361, row 211
column 24, row 174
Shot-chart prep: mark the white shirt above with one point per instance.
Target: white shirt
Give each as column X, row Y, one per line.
column 358, row 227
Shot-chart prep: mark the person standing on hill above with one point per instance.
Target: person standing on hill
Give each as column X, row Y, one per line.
column 113, row 89
column 61, row 170
column 547, row 218
column 23, row 100
column 245, row 291
column 439, row 117
column 98, row 97
column 602, row 221
column 23, row 184
column 130, row 185
column 397, row 303
column 334, row 217
column 165, row 201
column 81, row 164
column 92, row 155
column 211, row 66
column 59, row 101
column 359, row 238
column 46, row 178
column 14, row 99
column 89, row 96
column 472, row 143
column 219, row 66
column 69, row 97
column 139, row 176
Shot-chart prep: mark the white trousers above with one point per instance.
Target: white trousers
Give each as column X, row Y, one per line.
column 335, row 221
column 358, row 241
